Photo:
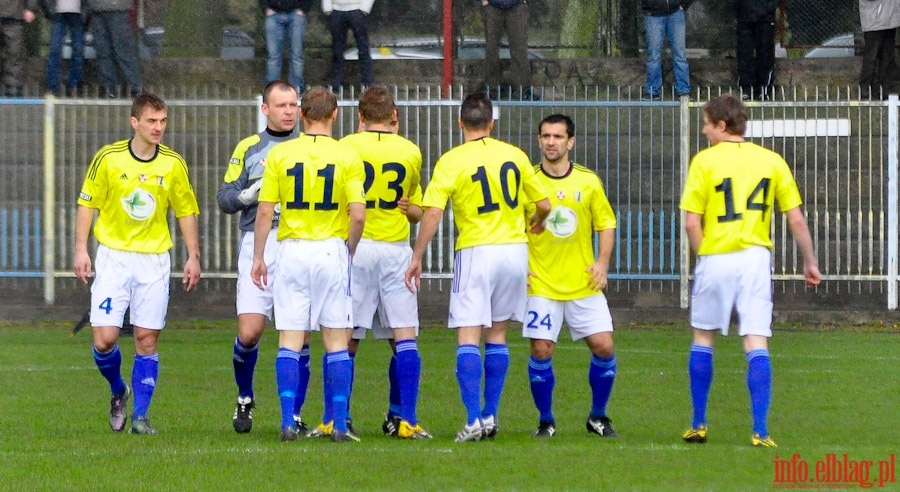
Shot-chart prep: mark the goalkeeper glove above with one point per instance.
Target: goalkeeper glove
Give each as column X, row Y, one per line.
column 250, row 195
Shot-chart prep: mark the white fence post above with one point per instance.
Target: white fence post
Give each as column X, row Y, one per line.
column 892, row 156
column 49, row 209
column 685, row 272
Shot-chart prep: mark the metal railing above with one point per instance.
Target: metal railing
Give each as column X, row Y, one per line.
column 843, row 153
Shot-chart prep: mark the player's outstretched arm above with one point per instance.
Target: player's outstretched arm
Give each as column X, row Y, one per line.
column 357, row 224
column 81, row 264
column 431, row 219
column 599, row 269
column 800, row 231
column 189, row 230
column 542, row 210
column 259, row 272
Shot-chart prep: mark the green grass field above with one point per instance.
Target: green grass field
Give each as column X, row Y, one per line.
column 836, row 391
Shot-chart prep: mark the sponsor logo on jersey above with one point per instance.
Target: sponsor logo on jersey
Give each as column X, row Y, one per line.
column 139, row 205
column 85, row 196
column 123, row 176
column 562, row 221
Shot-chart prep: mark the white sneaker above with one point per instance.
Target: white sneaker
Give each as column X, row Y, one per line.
column 471, row 432
column 490, row 426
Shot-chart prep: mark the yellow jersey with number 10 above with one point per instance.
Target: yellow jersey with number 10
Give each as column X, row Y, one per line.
column 734, row 186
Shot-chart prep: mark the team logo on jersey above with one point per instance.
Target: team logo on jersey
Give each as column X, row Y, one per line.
column 561, row 195
column 159, row 180
column 139, row 205
column 562, row 221
column 142, row 177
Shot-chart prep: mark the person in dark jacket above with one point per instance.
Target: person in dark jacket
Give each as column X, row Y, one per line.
column 879, row 20
column 285, row 27
column 665, row 18
column 756, row 47
column 116, row 44
column 14, row 14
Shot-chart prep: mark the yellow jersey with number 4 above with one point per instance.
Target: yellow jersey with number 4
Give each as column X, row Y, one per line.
column 734, row 186
column 393, row 167
column 133, row 197
column 560, row 256
column 314, row 178
column 489, row 182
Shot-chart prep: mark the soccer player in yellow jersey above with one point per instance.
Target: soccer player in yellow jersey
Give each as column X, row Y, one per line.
column 132, row 184
column 728, row 200
column 319, row 184
column 489, row 182
column 567, row 279
column 393, row 167
column 239, row 193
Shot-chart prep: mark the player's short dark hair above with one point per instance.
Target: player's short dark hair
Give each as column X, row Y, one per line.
column 376, row 104
column 275, row 84
column 317, row 104
column 558, row 118
column 146, row 99
column 729, row 109
column 476, row 112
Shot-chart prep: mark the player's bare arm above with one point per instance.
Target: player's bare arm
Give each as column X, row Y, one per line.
column 82, row 261
column 413, row 213
column 599, row 269
column 693, row 224
column 431, row 219
column 191, row 234
column 536, row 222
column 258, row 272
column 357, row 224
column 800, row 231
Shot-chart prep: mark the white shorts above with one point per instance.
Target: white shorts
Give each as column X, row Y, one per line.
column 586, row 316
column 489, row 284
column 313, row 287
column 741, row 280
column 125, row 278
column 379, row 284
column 378, row 329
column 250, row 299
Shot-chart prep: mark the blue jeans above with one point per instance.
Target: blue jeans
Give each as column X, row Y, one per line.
column 61, row 23
column 672, row 26
column 356, row 21
column 281, row 26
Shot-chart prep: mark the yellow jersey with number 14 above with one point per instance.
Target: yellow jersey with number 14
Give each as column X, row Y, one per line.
column 734, row 186
column 393, row 168
column 133, row 197
column 560, row 256
column 489, row 182
column 314, row 178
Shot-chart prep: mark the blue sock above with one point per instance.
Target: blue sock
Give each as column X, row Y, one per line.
column 700, row 369
column 540, row 374
column 352, row 379
column 601, row 377
column 496, row 363
column 286, row 375
column 394, row 391
column 302, row 381
column 143, row 381
column 468, row 375
column 409, row 368
column 340, row 368
column 110, row 365
column 244, row 361
column 759, row 382
column 328, row 412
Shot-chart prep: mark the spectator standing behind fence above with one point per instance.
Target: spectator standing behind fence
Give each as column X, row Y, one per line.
column 879, row 20
column 116, row 45
column 285, row 27
column 665, row 18
column 512, row 16
column 756, row 47
column 65, row 17
column 353, row 15
column 14, row 14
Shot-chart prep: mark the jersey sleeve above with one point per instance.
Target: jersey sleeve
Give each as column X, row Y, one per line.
column 415, row 181
column 269, row 191
column 183, row 199
column 694, row 198
column 602, row 214
column 439, row 188
column 356, row 178
column 94, row 190
column 786, row 192
column 533, row 187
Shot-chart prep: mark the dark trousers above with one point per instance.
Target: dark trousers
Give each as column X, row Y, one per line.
column 356, row 21
column 116, row 45
column 515, row 22
column 12, row 55
column 879, row 62
column 756, row 57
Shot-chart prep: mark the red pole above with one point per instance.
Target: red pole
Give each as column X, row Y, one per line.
column 448, row 46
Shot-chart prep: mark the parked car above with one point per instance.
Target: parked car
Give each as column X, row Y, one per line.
column 836, row 47
column 430, row 49
column 236, row 44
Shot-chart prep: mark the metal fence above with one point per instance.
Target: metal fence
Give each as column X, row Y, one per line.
column 843, row 153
